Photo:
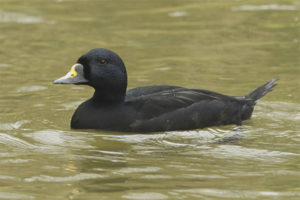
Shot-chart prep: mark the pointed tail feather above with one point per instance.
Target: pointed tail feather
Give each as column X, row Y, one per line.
column 262, row 90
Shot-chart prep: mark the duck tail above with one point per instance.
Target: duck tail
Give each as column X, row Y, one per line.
column 262, row 90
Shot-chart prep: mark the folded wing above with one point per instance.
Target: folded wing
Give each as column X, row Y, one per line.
column 168, row 107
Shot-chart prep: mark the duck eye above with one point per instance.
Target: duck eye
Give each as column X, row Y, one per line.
column 103, row 62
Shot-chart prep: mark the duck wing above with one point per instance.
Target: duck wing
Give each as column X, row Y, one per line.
column 147, row 90
column 179, row 108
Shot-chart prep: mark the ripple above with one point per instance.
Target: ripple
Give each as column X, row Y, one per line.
column 15, row 161
column 104, row 158
column 282, row 110
column 111, row 152
column 8, row 195
column 7, row 17
column 237, row 194
column 77, row 177
column 157, row 177
column 145, row 196
column 4, row 177
column 197, row 139
column 12, row 126
column 60, row 138
column 129, row 170
column 202, row 176
column 265, row 7
column 239, row 152
column 179, row 138
column 178, row 14
column 71, row 105
column 162, row 68
column 4, row 65
column 15, row 142
column 32, row 88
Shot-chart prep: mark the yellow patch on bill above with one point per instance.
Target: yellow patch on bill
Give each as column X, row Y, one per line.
column 73, row 72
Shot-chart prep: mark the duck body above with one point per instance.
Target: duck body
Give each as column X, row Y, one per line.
column 165, row 109
column 150, row 108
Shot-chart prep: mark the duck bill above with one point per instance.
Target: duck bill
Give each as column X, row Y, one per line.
column 74, row 76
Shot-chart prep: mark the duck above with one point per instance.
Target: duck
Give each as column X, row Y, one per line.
column 156, row 108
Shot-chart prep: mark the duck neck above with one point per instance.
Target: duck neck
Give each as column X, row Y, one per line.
column 108, row 97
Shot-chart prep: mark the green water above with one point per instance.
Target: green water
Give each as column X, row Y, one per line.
column 226, row 46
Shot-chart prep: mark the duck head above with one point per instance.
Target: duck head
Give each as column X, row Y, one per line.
column 101, row 69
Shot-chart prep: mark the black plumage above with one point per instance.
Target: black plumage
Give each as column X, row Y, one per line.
column 150, row 108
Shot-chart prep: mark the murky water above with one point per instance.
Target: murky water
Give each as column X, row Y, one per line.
column 225, row 46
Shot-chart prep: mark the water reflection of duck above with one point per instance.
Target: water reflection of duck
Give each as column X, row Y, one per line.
column 150, row 108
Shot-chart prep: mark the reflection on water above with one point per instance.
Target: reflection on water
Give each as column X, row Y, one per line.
column 199, row 44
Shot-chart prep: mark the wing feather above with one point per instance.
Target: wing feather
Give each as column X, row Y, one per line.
column 165, row 99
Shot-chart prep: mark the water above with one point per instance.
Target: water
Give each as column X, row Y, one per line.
column 226, row 46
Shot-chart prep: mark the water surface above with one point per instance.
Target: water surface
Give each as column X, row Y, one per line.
column 226, row 46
